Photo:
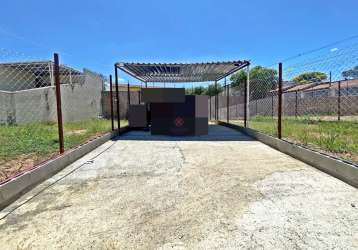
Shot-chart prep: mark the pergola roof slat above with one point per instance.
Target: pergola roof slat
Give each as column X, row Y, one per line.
column 181, row 72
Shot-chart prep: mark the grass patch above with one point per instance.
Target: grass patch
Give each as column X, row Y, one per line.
column 42, row 138
column 25, row 145
column 339, row 138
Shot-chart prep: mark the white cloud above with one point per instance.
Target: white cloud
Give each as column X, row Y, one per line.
column 334, row 49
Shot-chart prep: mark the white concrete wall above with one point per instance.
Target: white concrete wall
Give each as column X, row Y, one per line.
column 7, row 108
column 82, row 101
column 35, row 105
column 79, row 102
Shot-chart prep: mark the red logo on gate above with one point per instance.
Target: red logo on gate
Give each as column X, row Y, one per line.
column 179, row 121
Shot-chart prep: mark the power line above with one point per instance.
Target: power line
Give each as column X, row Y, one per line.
column 320, row 48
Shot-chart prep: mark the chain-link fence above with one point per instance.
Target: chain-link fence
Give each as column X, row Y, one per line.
column 263, row 100
column 319, row 102
column 82, row 106
column 319, row 106
column 28, row 130
column 29, row 112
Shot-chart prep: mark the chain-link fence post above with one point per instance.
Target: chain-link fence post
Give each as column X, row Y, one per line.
column 216, row 102
column 296, row 104
column 245, row 104
column 128, row 100
column 272, row 106
column 339, row 101
column 128, row 94
column 227, row 101
column 246, row 96
column 209, row 108
column 279, row 115
column 111, row 100
column 117, row 97
column 58, row 102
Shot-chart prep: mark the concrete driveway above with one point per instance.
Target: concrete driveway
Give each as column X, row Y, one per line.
column 222, row 191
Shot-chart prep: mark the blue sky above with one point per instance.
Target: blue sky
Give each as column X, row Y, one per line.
column 95, row 34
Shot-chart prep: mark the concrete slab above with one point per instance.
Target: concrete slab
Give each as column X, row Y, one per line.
column 221, row 191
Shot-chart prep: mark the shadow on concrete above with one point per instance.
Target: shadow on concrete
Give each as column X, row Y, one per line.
column 216, row 133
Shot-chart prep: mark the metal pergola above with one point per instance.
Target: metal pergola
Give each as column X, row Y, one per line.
column 181, row 73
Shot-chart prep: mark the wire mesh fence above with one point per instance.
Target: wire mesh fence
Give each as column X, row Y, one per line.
column 263, row 100
column 319, row 102
column 82, row 106
column 29, row 125
column 319, row 106
column 28, row 130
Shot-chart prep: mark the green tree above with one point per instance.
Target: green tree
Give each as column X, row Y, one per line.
column 200, row 90
column 262, row 80
column 238, row 79
column 211, row 90
column 308, row 77
column 351, row 74
column 189, row 91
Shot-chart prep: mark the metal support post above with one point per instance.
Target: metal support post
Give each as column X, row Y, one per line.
column 216, row 102
column 227, row 102
column 111, row 99
column 247, row 97
column 117, row 97
column 58, row 102
column 296, row 105
column 339, row 101
column 209, row 108
column 279, row 122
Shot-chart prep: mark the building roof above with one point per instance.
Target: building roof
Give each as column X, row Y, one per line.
column 181, row 72
column 302, row 87
column 318, row 86
column 334, row 85
column 292, row 87
column 38, row 66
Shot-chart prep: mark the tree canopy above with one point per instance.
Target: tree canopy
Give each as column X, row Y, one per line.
column 351, row 74
column 262, row 80
column 200, row 90
column 211, row 90
column 239, row 78
column 308, row 77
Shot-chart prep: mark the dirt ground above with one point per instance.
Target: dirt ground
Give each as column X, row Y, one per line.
column 222, row 191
